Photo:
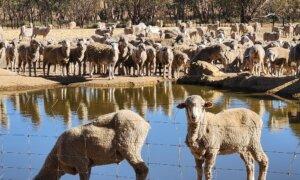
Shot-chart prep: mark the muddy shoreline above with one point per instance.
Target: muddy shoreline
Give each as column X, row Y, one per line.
column 288, row 87
column 23, row 83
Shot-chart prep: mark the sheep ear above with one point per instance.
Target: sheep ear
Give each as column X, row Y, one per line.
column 181, row 106
column 208, row 105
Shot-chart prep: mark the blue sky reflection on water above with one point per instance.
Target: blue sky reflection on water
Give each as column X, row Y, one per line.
column 45, row 114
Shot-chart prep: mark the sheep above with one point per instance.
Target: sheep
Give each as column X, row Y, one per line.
column 77, row 56
column 257, row 27
column 128, row 30
column 230, row 131
column 72, row 25
column 12, row 55
column 271, row 36
column 29, row 54
column 58, row 54
column 100, row 39
column 277, row 58
column 244, row 28
column 297, row 30
column 277, row 29
column 165, row 57
column 2, row 51
column 202, row 31
column 42, row 31
column 139, row 58
column 25, row 32
column 102, row 32
column 256, row 59
column 180, row 62
column 234, row 28
column 213, row 53
column 110, row 139
column 294, row 57
column 287, row 30
column 150, row 62
column 212, row 27
column 102, row 54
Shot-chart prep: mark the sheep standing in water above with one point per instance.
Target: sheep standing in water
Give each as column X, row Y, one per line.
column 230, row 131
column 110, row 139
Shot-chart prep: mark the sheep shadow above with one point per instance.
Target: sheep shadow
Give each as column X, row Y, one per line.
column 67, row 80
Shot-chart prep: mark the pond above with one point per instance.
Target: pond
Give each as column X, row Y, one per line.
column 32, row 121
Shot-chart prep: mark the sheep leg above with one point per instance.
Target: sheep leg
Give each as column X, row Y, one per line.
column 170, row 71
column 199, row 168
column 164, row 71
column 262, row 159
column 48, row 69
column 209, row 163
column 249, row 162
column 91, row 69
column 85, row 174
column 34, row 68
column 29, row 68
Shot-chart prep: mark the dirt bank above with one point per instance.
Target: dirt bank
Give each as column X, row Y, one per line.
column 283, row 86
column 12, row 82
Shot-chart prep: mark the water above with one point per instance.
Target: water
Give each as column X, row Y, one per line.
column 31, row 122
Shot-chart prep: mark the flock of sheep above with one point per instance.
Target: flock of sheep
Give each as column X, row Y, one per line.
column 153, row 50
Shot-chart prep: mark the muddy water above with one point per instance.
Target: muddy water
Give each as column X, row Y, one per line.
column 31, row 122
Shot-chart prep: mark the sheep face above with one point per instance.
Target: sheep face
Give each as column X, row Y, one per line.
column 195, row 108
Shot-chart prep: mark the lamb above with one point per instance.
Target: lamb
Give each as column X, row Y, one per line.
column 256, row 59
column 139, row 58
column 277, row 58
column 110, row 139
column 272, row 36
column 165, row 58
column 12, row 55
column 230, row 131
column 26, row 32
column 29, row 54
column 179, row 63
column 54, row 55
column 42, row 31
column 77, row 56
column 102, row 54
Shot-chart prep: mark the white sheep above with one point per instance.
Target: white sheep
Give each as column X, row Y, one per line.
column 110, row 139
column 277, row 58
column 230, row 131
column 139, row 58
column 165, row 57
column 26, row 32
column 256, row 59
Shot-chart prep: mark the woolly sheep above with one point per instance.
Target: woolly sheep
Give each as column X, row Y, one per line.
column 77, row 57
column 139, row 58
column 271, row 36
column 12, row 55
column 297, row 30
column 29, row 54
column 277, row 58
column 244, row 28
column 150, row 62
column 42, row 31
column 288, row 30
column 165, row 57
column 234, row 28
column 230, row 131
column 295, row 57
column 179, row 63
column 110, row 139
column 257, row 27
column 57, row 54
column 256, row 59
column 26, row 32
column 102, row 54
column 72, row 25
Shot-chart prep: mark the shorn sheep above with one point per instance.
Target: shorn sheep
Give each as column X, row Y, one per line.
column 230, row 131
column 110, row 139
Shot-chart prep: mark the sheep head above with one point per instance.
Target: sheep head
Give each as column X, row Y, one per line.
column 195, row 108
